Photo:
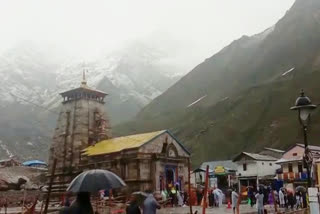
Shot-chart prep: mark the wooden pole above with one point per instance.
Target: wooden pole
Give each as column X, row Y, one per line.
column 274, row 201
column 239, row 201
column 24, row 199
column 110, row 200
column 50, row 186
column 41, row 206
column 205, row 193
column 5, row 206
column 189, row 186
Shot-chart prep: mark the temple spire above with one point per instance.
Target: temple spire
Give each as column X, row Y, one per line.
column 84, row 81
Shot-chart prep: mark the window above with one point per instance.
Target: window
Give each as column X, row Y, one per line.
column 270, row 164
column 290, row 167
column 262, row 163
column 294, row 154
column 244, row 167
column 300, row 167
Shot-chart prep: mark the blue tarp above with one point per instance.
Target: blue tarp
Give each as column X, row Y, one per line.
column 34, row 162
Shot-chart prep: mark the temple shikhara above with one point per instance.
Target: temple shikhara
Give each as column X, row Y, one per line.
column 82, row 122
column 82, row 140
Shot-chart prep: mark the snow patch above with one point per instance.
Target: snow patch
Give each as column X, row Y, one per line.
column 224, row 99
column 195, row 102
column 288, row 71
column 4, row 148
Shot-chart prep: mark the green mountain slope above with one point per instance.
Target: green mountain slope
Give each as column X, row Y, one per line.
column 245, row 91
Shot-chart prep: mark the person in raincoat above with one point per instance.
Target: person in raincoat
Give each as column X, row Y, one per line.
column 179, row 197
column 281, row 198
column 150, row 204
column 259, row 198
column 173, row 195
column 270, row 198
column 234, row 200
column 220, row 198
column 216, row 197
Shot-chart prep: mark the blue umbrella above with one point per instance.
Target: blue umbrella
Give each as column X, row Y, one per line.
column 95, row 180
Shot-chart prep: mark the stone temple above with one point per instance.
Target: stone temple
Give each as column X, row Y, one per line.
column 82, row 122
column 82, row 141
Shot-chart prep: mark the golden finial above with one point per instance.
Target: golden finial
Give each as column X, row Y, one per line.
column 84, row 81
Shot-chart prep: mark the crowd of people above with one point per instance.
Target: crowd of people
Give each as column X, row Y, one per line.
column 284, row 198
column 261, row 197
column 215, row 197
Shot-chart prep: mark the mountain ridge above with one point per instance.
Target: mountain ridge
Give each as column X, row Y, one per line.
column 248, row 71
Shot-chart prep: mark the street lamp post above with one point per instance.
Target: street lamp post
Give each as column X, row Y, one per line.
column 304, row 107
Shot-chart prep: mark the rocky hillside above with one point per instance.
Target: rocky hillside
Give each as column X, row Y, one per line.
column 31, row 78
column 239, row 98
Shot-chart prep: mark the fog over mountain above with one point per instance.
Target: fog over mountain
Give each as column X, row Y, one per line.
column 133, row 50
column 31, row 79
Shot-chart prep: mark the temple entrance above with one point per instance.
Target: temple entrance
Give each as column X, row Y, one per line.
column 170, row 176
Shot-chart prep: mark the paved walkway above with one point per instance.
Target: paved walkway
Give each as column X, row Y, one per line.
column 244, row 209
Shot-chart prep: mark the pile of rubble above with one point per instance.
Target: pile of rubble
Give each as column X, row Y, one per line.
column 21, row 178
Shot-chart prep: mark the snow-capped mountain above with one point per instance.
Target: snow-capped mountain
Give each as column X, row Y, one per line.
column 32, row 77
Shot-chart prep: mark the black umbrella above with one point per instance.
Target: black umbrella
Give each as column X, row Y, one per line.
column 301, row 189
column 95, row 180
column 140, row 196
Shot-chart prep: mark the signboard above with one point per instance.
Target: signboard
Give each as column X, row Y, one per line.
column 219, row 170
column 313, row 194
column 213, row 182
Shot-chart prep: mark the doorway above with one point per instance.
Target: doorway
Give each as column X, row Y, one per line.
column 170, row 176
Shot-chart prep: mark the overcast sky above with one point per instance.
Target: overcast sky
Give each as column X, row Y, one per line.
column 201, row 27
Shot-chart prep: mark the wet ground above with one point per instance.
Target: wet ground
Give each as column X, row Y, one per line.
column 244, row 209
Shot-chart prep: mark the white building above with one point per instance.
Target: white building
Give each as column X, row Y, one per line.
column 253, row 169
column 293, row 172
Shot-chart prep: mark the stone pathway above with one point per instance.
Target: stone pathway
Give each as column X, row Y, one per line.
column 244, row 209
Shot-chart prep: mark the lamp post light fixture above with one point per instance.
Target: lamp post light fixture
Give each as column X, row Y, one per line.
column 304, row 107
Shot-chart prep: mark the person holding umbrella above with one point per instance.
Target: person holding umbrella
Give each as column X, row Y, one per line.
column 81, row 205
column 91, row 181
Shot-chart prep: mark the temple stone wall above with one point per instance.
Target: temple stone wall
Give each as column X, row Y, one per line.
column 76, row 128
column 156, row 145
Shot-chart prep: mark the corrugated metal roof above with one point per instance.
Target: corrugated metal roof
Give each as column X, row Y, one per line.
column 274, row 150
column 121, row 143
column 311, row 147
column 293, row 159
column 260, row 157
column 228, row 164
column 255, row 156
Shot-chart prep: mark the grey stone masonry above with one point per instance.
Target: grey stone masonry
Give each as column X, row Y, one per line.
column 82, row 122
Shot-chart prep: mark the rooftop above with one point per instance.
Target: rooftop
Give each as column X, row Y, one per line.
column 255, row 156
column 121, row 143
column 311, row 147
column 274, row 150
column 288, row 160
column 228, row 164
column 84, row 91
